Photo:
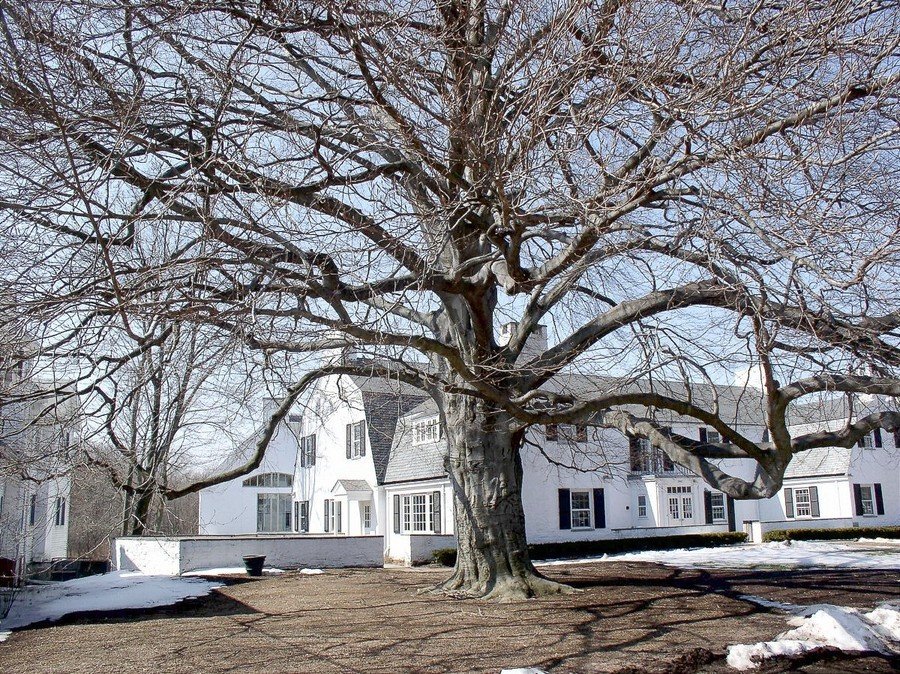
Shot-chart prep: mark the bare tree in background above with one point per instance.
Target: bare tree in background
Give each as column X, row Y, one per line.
column 675, row 189
column 161, row 403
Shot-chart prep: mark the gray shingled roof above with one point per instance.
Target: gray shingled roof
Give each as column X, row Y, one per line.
column 408, row 462
column 737, row 404
column 383, row 406
column 819, row 462
column 353, row 485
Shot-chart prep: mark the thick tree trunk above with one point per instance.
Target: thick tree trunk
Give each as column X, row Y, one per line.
column 486, row 474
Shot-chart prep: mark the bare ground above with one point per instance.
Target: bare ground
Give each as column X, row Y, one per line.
column 629, row 618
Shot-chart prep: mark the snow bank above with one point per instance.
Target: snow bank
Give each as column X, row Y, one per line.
column 230, row 571
column 824, row 625
column 812, row 554
column 106, row 592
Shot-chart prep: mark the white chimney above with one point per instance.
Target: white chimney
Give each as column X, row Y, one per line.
column 535, row 345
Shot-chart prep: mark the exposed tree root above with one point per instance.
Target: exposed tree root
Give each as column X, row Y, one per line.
column 504, row 589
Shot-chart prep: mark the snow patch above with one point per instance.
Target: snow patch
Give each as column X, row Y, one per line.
column 230, row 571
column 311, row 572
column 822, row 625
column 807, row 554
column 106, row 592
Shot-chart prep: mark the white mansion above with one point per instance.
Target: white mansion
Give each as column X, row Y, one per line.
column 367, row 458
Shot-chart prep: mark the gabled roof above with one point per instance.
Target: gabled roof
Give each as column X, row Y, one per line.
column 351, row 486
column 819, row 463
column 408, row 462
column 383, row 407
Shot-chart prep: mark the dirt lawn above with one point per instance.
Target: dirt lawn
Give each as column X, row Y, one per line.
column 628, row 618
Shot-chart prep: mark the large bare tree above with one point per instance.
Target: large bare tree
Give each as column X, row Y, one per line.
column 674, row 188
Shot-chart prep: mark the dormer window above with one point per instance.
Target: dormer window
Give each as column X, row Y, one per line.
column 426, row 430
column 709, row 435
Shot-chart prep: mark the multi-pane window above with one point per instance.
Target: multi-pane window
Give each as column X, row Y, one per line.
column 334, row 520
column 268, row 480
column 428, row 430
column 367, row 516
column 308, row 451
column 301, row 516
column 356, row 440
column 60, row 516
column 865, row 441
column 802, row 503
column 713, row 436
column 418, row 513
column 641, row 455
column 718, row 506
column 273, row 512
column 681, row 503
column 642, row 505
column 867, row 499
column 581, row 509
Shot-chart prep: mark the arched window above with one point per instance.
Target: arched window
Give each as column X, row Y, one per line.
column 268, row 480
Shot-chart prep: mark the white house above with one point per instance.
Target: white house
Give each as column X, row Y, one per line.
column 368, row 458
column 34, row 480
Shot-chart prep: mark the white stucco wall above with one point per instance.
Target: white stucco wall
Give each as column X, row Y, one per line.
column 171, row 556
column 156, row 556
column 400, row 548
column 230, row 508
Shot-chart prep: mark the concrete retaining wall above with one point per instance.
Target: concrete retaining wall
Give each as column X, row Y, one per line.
column 172, row 556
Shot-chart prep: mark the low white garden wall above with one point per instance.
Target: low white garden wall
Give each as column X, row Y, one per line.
column 422, row 545
column 172, row 556
column 652, row 532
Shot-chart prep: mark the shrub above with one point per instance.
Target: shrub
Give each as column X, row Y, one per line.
column 830, row 534
column 444, row 556
column 584, row 548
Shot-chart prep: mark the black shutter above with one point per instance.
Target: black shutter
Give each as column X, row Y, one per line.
column 814, row 501
column 877, row 434
column 732, row 524
column 362, row 438
column 788, row 502
column 436, row 512
column 879, row 499
column 396, row 513
column 312, row 451
column 349, row 440
column 599, row 510
column 765, row 437
column 327, row 518
column 857, row 500
column 703, row 436
column 707, row 506
column 861, row 442
column 565, row 509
